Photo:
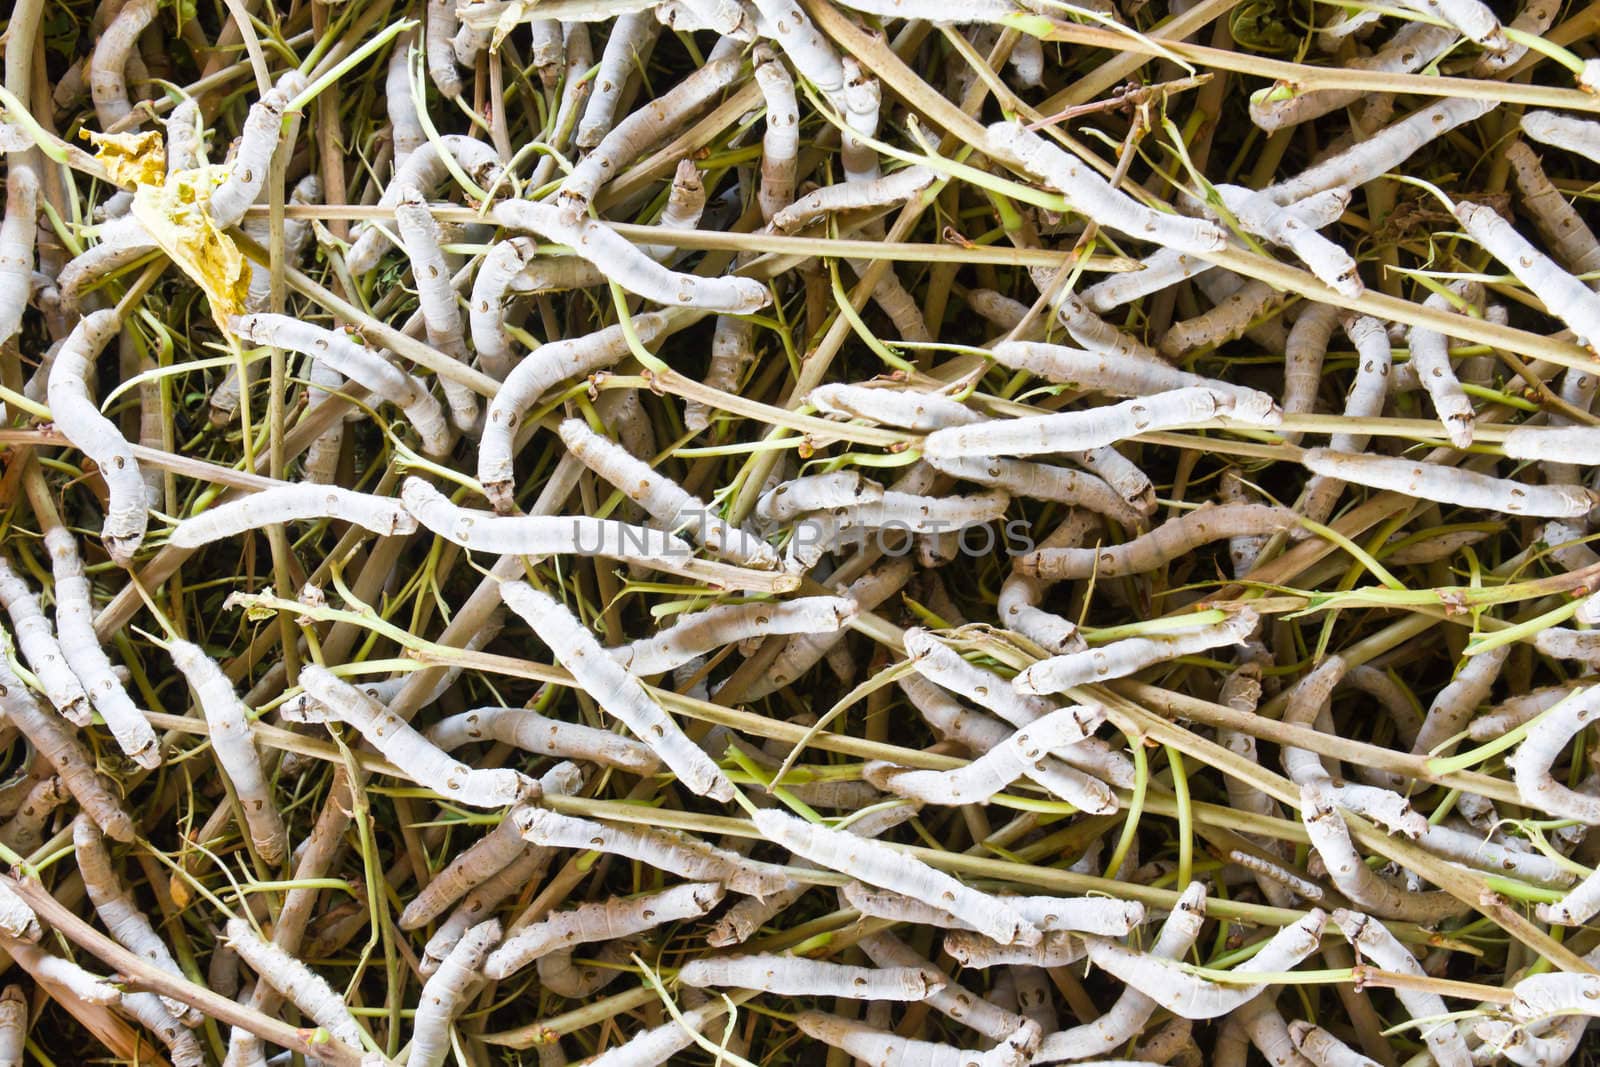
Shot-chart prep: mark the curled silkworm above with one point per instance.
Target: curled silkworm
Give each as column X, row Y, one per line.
column 24, row 832
column 890, row 189
column 605, row 920
column 995, row 769
column 532, row 732
column 1130, row 655
column 1449, row 485
column 294, row 503
column 704, row 631
column 357, row 362
column 1191, row 997
column 418, row 759
column 1562, row 294
column 1092, row 196
column 1540, row 996
column 40, row 648
column 1075, row 431
column 247, row 174
column 426, row 170
column 531, row 378
column 1330, row 837
column 227, row 721
column 624, row 263
column 436, row 298
column 1377, row 944
column 907, row 408
column 880, row 865
column 97, row 437
column 668, row 502
column 1170, row 541
column 444, row 995
column 798, row 976
column 1531, row 762
column 662, row 849
column 309, row 991
column 614, row 689
column 877, row 1046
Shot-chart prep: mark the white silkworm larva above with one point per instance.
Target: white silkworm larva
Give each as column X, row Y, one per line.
column 1558, row 222
column 1382, row 152
column 1130, row 655
column 1573, row 445
column 1092, row 196
column 1531, row 762
column 444, row 995
column 1017, row 606
column 704, row 631
column 810, row 52
column 39, row 647
column 1328, row 260
column 57, row 970
column 799, row 976
column 995, row 769
column 780, row 140
column 1376, row 943
column 532, row 732
column 905, row 512
column 1122, row 474
column 16, row 918
column 400, row 743
column 629, row 139
column 665, row 500
column 24, row 832
column 659, row 1044
column 439, row 30
column 227, row 720
column 1087, row 915
column 732, row 352
column 870, row 1045
column 686, row 203
column 490, row 301
column 538, row 535
column 944, row 666
column 1231, row 316
column 815, row 492
column 907, row 408
column 1192, row 997
column 1172, row 540
column 1089, row 329
column 470, row 867
column 294, row 503
column 1323, row 1049
column 1042, row 481
column 1541, row 996
column 1330, row 838
column 358, row 363
column 624, row 263
column 1076, row 431
column 604, row 920
column 880, row 865
column 151, row 1012
column 288, row 975
column 436, row 298
column 1579, row 136
column 662, row 849
column 1115, row 376
column 321, row 463
column 1412, row 47
column 247, row 174
column 1449, row 485
column 1550, row 1049
column 1475, row 850
column 530, row 379
column 614, row 689
column 628, row 47
column 1562, row 294
column 895, row 188
column 107, row 78
column 528, row 868
column 18, row 233
column 1454, row 705
column 1580, row 905
column 97, row 437
column 405, row 128
column 964, row 1007
column 426, row 170
column 122, row 917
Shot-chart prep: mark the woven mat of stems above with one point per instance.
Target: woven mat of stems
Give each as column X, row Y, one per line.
column 790, row 531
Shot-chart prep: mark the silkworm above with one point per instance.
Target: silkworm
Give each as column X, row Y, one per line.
column 57, row 970
column 942, row 665
column 227, row 722
column 1017, row 607
column 1474, row 849
column 815, row 492
column 1328, row 260
column 17, row 920
column 615, row 690
column 79, row 419
column 659, row 1044
column 492, row 288
column 1040, row 481
column 24, row 831
column 906, row 408
column 18, row 233
column 532, row 732
column 107, row 81
column 1555, row 1046
column 1530, row 763
column 444, row 995
column 605, row 920
column 1562, row 294
column 1578, row 136
column 1558, row 222
column 309, row 991
column 632, row 39
column 798, row 976
column 357, row 362
column 1323, row 1049
column 1130, row 655
column 122, row 917
column 1376, row 943
column 1113, row 376
column 881, row 865
column 1412, row 47
column 527, row 869
column 662, row 849
column 400, row 743
column 1172, row 540
column 905, row 512
column 436, row 298
column 701, row 632
column 425, row 170
column 1089, row 915
column 405, row 128
column 470, row 867
column 1229, row 317
column 40, row 648
column 1330, row 837
column 531, row 379
column 13, row 1025
column 1075, row 431
column 964, row 1007
column 878, row 1046
column 995, row 769
column 1191, row 997
column 631, row 137
column 1092, row 196
column 1541, row 996
column 780, row 138
column 893, row 188
column 732, row 352
column 247, row 174
column 1450, row 485
column 1089, row 329
column 1454, row 705
column 384, row 516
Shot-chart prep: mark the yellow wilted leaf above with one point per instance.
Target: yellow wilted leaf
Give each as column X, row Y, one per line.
column 130, row 158
column 178, row 217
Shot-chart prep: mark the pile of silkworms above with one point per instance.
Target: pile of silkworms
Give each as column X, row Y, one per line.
column 791, row 531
